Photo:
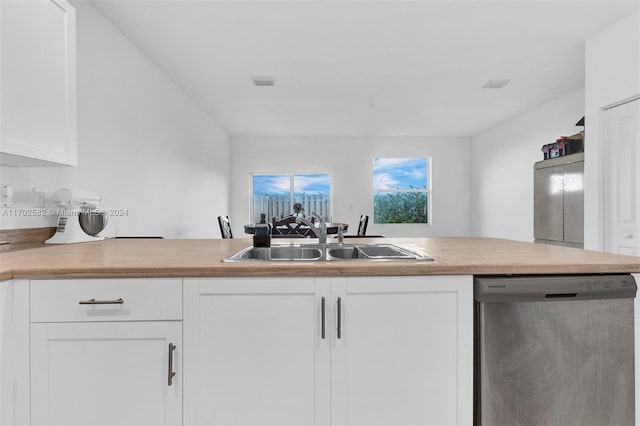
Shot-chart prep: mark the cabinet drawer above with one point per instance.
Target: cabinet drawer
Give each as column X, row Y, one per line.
column 119, row 299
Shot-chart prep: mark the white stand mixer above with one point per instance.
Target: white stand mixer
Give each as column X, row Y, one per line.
column 71, row 204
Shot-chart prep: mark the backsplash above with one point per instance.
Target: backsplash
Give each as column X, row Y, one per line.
column 28, row 209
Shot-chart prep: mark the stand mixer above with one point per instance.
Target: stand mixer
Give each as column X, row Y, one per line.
column 76, row 209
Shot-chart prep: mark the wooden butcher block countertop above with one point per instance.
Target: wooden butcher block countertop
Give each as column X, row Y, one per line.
column 201, row 258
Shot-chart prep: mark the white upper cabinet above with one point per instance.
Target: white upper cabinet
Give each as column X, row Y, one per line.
column 38, row 84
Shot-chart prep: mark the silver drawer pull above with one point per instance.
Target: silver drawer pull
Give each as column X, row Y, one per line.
column 323, row 309
column 172, row 373
column 102, row 302
column 339, row 318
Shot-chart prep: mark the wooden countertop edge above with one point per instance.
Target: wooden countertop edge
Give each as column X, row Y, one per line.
column 310, row 270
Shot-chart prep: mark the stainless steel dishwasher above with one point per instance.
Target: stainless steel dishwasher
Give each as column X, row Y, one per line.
column 554, row 350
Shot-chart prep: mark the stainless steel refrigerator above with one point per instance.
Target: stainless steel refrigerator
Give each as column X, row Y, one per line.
column 558, row 201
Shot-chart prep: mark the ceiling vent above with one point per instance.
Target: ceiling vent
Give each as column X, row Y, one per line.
column 263, row 81
column 495, row 84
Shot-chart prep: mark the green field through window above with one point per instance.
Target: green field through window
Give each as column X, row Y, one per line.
column 401, row 190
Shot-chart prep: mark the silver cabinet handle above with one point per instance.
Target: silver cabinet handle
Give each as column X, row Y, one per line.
column 322, row 303
column 119, row 301
column 339, row 334
column 172, row 373
column 628, row 236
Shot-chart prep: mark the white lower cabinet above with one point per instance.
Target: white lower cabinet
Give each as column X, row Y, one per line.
column 383, row 351
column 14, row 352
column 105, row 374
column 238, row 351
column 92, row 365
column 254, row 354
column 405, row 351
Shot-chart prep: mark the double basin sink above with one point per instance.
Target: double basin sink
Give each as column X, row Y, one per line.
column 326, row 252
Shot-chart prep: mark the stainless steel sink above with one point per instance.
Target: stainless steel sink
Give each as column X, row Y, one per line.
column 344, row 253
column 326, row 252
column 277, row 253
column 373, row 252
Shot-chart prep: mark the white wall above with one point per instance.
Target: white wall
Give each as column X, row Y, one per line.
column 350, row 163
column 612, row 74
column 143, row 144
column 502, row 161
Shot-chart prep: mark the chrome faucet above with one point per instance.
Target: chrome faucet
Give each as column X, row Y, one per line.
column 320, row 231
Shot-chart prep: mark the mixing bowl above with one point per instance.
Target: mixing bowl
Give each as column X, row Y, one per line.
column 93, row 221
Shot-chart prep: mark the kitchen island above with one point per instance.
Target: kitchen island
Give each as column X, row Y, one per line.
column 169, row 334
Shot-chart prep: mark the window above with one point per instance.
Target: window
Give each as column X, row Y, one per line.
column 401, row 190
column 275, row 195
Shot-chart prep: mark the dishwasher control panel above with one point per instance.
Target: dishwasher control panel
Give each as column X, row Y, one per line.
column 553, row 287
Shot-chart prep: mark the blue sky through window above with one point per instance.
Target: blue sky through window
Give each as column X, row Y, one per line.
column 271, row 184
column 281, row 184
column 399, row 173
column 312, row 184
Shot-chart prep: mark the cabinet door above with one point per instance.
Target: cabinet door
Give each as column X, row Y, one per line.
column 38, row 81
column 254, row 352
column 14, row 352
column 548, row 203
column 105, row 373
column 405, row 351
column 574, row 203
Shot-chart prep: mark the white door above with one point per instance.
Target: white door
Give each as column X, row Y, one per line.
column 402, row 351
column 254, row 352
column 621, row 179
column 105, row 373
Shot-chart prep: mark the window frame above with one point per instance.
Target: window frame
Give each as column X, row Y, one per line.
column 291, row 176
column 428, row 190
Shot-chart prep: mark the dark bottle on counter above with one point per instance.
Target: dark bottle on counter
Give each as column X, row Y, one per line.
column 262, row 237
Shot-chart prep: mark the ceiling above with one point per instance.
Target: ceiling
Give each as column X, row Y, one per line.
column 363, row 68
